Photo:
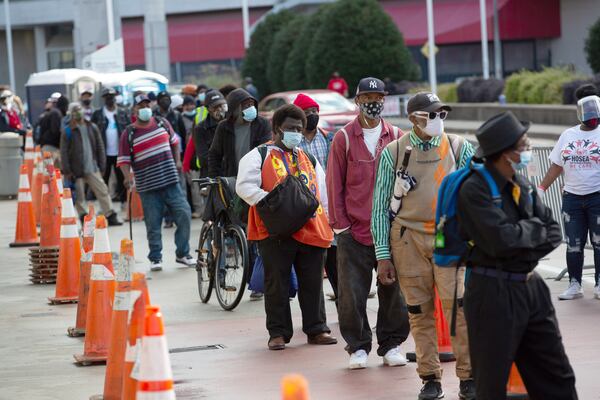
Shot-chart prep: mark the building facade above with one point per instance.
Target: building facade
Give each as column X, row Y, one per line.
column 205, row 37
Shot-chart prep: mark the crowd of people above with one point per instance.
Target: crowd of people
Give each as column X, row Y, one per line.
column 346, row 203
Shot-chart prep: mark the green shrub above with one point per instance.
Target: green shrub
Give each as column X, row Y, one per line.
column 544, row 87
column 448, row 93
column 357, row 38
column 257, row 56
column 279, row 53
column 513, row 84
column 592, row 47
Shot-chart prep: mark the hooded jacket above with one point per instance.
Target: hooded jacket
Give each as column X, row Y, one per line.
column 221, row 156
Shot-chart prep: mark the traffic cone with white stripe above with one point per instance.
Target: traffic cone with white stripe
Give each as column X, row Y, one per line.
column 125, row 296
column 29, row 154
column 135, row 333
column 155, row 376
column 25, row 231
column 85, row 266
column 294, row 387
column 67, row 278
column 59, row 182
column 36, row 185
column 100, row 299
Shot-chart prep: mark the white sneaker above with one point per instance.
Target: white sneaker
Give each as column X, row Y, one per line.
column 575, row 291
column 155, row 265
column 597, row 292
column 394, row 357
column 358, row 360
column 188, row 261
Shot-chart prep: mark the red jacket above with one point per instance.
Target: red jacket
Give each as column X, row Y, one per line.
column 351, row 179
column 338, row 85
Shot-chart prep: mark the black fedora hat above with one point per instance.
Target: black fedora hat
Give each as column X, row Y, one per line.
column 499, row 133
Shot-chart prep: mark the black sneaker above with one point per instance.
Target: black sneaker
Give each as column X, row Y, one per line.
column 467, row 390
column 432, row 390
column 113, row 220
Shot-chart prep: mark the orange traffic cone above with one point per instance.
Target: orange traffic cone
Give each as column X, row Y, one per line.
column 294, row 387
column 51, row 212
column 135, row 333
column 29, row 154
column 85, row 264
column 36, row 186
column 443, row 334
column 135, row 212
column 67, row 278
column 515, row 388
column 124, row 297
column 59, row 182
column 26, row 231
column 155, row 376
column 100, row 299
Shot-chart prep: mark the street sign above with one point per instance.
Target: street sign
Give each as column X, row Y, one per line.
column 110, row 58
column 425, row 50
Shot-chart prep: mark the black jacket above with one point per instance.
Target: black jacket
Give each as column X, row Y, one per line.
column 203, row 135
column 121, row 118
column 175, row 119
column 221, row 156
column 512, row 237
column 50, row 126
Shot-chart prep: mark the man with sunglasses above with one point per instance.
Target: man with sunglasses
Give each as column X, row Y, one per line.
column 408, row 237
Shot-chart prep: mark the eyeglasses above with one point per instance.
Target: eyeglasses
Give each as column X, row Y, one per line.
column 432, row 115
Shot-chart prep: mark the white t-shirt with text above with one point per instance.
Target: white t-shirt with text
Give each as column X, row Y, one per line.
column 578, row 152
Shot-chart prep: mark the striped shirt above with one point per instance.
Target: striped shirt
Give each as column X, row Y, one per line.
column 153, row 163
column 384, row 186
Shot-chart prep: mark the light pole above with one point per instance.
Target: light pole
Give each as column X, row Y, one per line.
column 497, row 44
column 246, row 23
column 110, row 21
column 9, row 46
column 431, row 45
column 484, row 41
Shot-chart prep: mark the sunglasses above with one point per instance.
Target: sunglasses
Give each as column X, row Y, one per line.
column 432, row 115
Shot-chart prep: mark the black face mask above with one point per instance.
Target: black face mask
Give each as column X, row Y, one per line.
column 165, row 103
column 86, row 102
column 311, row 122
column 109, row 101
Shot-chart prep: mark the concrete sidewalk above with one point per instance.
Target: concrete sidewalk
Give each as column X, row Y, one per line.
column 37, row 355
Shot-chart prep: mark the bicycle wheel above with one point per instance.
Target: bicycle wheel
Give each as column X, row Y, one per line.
column 232, row 267
column 205, row 263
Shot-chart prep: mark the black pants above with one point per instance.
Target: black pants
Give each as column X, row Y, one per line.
column 278, row 256
column 331, row 269
column 515, row 321
column 111, row 163
column 356, row 263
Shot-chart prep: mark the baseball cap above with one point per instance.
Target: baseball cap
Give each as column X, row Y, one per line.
column 5, row 93
column 108, row 92
column 425, row 101
column 55, row 96
column 189, row 90
column 188, row 100
column 214, row 98
column 162, row 93
column 140, row 98
column 370, row 85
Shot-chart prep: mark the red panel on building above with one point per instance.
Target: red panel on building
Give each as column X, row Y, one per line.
column 193, row 37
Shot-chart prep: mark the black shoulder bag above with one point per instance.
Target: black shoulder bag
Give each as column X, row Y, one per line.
column 288, row 207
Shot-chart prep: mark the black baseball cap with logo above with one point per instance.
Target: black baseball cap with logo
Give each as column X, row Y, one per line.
column 426, row 101
column 108, row 91
column 370, row 85
column 214, row 98
column 140, row 98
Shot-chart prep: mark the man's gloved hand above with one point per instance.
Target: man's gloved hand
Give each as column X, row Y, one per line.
column 405, row 184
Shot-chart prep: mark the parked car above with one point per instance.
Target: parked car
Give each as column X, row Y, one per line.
column 335, row 110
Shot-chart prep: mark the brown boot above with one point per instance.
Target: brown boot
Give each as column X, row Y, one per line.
column 277, row 343
column 322, row 338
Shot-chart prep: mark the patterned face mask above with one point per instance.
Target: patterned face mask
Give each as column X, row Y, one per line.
column 372, row 110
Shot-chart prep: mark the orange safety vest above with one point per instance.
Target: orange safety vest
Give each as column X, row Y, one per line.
column 316, row 232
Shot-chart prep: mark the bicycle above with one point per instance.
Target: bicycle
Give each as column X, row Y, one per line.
column 223, row 259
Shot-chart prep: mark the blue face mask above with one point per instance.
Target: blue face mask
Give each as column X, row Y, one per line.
column 525, row 157
column 291, row 139
column 249, row 114
column 144, row 114
column 190, row 113
column 202, row 97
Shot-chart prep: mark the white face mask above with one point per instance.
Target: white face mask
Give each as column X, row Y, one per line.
column 434, row 127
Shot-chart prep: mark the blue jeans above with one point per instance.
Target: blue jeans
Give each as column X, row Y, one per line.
column 582, row 218
column 154, row 203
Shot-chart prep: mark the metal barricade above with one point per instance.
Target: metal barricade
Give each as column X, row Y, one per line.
column 553, row 197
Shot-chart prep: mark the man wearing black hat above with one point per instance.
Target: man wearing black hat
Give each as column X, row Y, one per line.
column 164, row 109
column 111, row 121
column 410, row 197
column 353, row 158
column 507, row 305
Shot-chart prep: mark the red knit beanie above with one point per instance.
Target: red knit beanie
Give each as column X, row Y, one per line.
column 304, row 102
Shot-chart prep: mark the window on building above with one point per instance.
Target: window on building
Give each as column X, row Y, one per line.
column 61, row 59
